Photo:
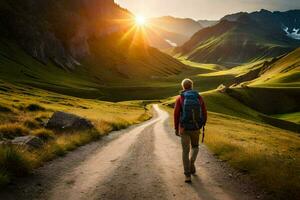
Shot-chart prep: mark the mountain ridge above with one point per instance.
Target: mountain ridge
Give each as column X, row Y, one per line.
column 247, row 40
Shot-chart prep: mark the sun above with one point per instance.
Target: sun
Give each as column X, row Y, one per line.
column 140, row 20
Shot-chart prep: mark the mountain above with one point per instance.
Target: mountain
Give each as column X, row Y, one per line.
column 207, row 23
column 234, row 17
column 283, row 72
column 173, row 31
column 244, row 37
column 71, row 44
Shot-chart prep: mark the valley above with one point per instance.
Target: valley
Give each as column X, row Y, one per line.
column 92, row 60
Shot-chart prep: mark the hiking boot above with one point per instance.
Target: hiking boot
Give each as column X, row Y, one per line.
column 188, row 179
column 192, row 169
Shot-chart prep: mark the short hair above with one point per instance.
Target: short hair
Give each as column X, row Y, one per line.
column 187, row 84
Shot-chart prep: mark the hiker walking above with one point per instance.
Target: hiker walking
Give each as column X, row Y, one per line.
column 190, row 116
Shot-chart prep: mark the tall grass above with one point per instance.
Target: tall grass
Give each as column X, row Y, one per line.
column 17, row 161
column 9, row 131
column 14, row 161
column 30, row 110
column 267, row 154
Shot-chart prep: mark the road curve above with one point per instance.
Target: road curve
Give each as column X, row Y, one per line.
column 142, row 162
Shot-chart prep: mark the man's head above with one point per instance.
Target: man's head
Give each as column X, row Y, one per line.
column 187, row 84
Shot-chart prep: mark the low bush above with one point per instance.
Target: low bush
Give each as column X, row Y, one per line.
column 32, row 124
column 35, row 107
column 14, row 161
column 9, row 131
column 103, row 127
column 119, row 125
column 41, row 118
column 44, row 134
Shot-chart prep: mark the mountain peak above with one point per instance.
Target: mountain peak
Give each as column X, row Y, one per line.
column 264, row 10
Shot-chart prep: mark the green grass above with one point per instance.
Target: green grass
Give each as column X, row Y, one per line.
column 292, row 117
column 256, row 149
column 160, row 76
column 223, row 103
column 267, row 154
column 233, row 43
column 283, row 73
column 268, row 100
column 233, row 104
column 29, row 108
column 205, row 67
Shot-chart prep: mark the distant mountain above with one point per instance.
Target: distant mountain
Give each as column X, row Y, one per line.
column 244, row 37
column 234, row 17
column 208, row 23
column 94, row 37
column 173, row 31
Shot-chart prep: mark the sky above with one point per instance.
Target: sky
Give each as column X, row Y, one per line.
column 203, row 9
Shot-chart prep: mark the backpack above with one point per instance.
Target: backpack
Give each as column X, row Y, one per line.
column 191, row 118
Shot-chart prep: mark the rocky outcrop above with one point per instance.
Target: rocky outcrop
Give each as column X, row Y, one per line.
column 67, row 121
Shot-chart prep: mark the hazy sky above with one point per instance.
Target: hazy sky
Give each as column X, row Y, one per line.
column 203, row 9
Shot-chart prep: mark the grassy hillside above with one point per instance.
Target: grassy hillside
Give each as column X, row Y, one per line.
column 283, row 73
column 269, row 101
column 252, row 148
column 90, row 80
column 76, row 48
column 24, row 110
column 243, row 40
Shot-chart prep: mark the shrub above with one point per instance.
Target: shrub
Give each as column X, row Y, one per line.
column 119, row 125
column 103, row 127
column 4, row 109
column 9, row 131
column 32, row 124
column 43, row 134
column 41, row 118
column 35, row 107
column 14, row 162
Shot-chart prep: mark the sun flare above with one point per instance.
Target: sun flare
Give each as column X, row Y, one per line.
column 140, row 20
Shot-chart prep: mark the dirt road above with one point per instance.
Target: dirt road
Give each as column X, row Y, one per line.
column 142, row 162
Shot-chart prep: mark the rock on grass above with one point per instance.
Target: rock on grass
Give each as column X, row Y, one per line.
column 67, row 121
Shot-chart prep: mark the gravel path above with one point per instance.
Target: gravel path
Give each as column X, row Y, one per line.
column 142, row 162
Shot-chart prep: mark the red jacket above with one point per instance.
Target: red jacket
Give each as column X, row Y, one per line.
column 177, row 111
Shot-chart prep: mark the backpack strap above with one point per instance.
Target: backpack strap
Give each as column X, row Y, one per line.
column 181, row 99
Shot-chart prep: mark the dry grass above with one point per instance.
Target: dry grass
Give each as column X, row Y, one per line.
column 268, row 154
column 44, row 134
column 14, row 161
column 9, row 131
column 30, row 108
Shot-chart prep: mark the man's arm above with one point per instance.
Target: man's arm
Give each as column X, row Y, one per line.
column 203, row 108
column 177, row 113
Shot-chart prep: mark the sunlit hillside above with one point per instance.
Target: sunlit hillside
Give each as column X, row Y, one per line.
column 243, row 38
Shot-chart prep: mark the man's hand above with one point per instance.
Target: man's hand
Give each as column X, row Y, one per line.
column 177, row 132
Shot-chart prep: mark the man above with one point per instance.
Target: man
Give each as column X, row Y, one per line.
column 190, row 116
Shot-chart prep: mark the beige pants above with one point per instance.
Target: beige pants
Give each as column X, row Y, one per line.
column 189, row 139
